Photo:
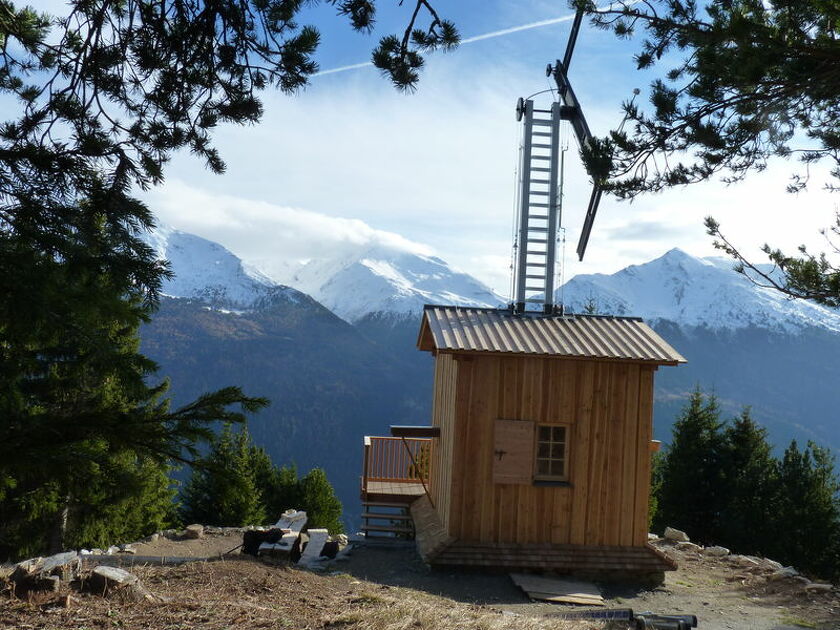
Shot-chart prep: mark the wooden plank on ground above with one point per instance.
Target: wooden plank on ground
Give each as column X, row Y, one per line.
column 559, row 590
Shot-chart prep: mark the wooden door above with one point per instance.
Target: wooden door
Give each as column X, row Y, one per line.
column 513, row 451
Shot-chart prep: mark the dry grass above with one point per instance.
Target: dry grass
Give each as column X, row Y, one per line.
column 249, row 595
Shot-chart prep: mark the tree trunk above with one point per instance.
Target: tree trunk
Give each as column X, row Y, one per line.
column 59, row 528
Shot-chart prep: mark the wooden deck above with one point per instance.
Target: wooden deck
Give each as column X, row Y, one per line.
column 393, row 467
column 393, row 491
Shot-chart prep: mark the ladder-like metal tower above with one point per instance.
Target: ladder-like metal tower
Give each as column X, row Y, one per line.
column 539, row 206
column 540, row 172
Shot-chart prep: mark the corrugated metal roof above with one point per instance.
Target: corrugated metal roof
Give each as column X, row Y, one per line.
column 460, row 329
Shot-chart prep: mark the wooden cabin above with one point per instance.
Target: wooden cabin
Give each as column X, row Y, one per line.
column 539, row 453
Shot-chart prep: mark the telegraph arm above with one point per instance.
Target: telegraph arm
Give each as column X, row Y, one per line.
column 570, row 110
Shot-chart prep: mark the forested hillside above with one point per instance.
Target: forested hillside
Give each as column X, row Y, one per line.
column 328, row 383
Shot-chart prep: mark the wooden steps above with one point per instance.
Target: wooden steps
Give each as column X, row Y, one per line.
column 393, row 517
column 387, row 519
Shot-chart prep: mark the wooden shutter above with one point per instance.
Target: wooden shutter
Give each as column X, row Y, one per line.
column 513, row 451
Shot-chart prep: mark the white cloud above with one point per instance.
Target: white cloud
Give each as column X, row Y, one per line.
column 271, row 236
column 350, row 161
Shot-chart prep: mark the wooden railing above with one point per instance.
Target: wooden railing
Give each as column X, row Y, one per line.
column 397, row 460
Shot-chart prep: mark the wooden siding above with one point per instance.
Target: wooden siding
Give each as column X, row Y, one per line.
column 443, row 416
column 608, row 408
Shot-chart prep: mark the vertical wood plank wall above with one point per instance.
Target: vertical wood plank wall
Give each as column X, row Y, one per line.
column 443, row 416
column 609, row 408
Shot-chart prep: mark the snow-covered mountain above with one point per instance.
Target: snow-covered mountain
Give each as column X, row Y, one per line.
column 379, row 280
column 207, row 271
column 694, row 292
column 373, row 280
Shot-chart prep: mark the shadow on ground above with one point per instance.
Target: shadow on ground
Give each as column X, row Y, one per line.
column 402, row 566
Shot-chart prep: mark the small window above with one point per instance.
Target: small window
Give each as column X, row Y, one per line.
column 552, row 453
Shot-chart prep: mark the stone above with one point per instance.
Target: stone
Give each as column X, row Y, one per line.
column 676, row 535
column 689, row 546
column 152, row 538
column 127, row 549
column 801, row 579
column 194, row 531
column 776, row 566
column 330, row 549
column 818, row 587
column 112, row 550
column 743, row 561
column 114, row 581
column 716, row 552
column 783, row 573
column 652, row 536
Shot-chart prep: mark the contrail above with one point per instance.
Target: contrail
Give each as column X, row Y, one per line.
column 468, row 40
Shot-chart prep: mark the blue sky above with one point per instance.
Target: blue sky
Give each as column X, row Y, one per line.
column 351, row 162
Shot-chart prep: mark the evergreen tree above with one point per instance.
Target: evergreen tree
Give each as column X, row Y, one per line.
column 323, row 508
column 236, row 484
column 690, row 497
column 808, row 511
column 223, row 487
column 76, row 410
column 748, row 81
column 656, row 481
column 749, row 478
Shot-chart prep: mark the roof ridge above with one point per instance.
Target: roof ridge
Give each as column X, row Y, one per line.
column 533, row 314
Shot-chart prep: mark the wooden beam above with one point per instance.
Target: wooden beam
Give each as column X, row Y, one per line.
column 409, row 431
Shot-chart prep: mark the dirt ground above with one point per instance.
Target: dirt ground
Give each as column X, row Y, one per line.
column 244, row 593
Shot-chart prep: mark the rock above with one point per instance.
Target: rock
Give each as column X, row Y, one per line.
column 330, row 549
column 688, row 546
column 113, row 581
column 342, row 539
column 152, row 538
column 112, row 550
column 776, row 566
column 676, row 535
column 744, row 561
column 782, row 574
column 818, row 587
column 652, row 536
column 194, row 531
column 801, row 579
column 127, row 549
column 716, row 552
column 45, row 573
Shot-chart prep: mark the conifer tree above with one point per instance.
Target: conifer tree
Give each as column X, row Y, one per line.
column 747, row 489
column 223, row 487
column 808, row 511
column 77, row 410
column 690, row 497
column 323, row 508
column 236, row 484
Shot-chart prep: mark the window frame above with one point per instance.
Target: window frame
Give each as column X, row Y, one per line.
column 564, row 478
